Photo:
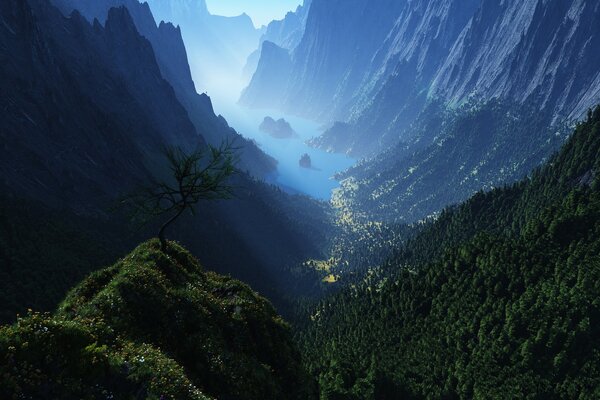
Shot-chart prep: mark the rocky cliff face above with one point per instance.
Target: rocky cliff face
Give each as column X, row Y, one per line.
column 378, row 73
column 172, row 58
column 544, row 52
column 272, row 74
column 221, row 45
column 77, row 109
column 408, row 83
column 335, row 54
column 286, row 33
column 395, row 89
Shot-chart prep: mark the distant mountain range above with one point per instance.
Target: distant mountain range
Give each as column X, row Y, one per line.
column 375, row 65
column 402, row 83
column 221, row 45
column 285, row 33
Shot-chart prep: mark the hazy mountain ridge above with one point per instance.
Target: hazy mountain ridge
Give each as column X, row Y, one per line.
column 331, row 59
column 285, row 33
column 274, row 70
column 221, row 44
column 537, row 55
column 172, row 58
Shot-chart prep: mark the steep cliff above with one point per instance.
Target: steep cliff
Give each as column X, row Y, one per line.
column 172, row 58
column 272, row 74
column 540, row 52
column 73, row 96
column 285, row 33
column 221, row 45
column 537, row 51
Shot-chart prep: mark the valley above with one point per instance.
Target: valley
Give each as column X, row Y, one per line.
column 360, row 200
column 317, row 182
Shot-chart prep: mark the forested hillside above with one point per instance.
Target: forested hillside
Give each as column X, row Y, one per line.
column 498, row 298
column 154, row 325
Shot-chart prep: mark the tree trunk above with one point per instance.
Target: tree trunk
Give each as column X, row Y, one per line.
column 161, row 233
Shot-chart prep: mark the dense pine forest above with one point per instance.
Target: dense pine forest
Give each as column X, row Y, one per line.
column 498, row 298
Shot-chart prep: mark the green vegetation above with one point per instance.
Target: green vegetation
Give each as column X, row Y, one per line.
column 45, row 252
column 497, row 298
column 154, row 325
column 446, row 156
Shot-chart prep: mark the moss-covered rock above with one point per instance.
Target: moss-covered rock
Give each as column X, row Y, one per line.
column 195, row 332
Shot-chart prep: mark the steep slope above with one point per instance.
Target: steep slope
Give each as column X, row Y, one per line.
column 218, row 46
column 449, row 157
column 204, row 335
column 273, row 71
column 543, row 52
column 539, row 52
column 396, row 88
column 432, row 108
column 286, row 33
column 495, row 299
column 333, row 56
column 83, row 123
column 172, row 58
column 76, row 92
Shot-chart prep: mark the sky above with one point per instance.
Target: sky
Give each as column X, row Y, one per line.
column 261, row 11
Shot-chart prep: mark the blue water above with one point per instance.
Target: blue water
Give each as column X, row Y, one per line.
column 316, row 182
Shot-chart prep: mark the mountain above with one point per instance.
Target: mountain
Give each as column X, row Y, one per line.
column 331, row 55
column 285, row 33
column 221, row 45
column 274, row 70
column 85, row 124
column 539, row 52
column 154, row 325
column 75, row 94
column 428, row 101
column 172, row 58
column 497, row 298
column 450, row 156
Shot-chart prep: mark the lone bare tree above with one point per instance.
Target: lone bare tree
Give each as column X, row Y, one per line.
column 200, row 175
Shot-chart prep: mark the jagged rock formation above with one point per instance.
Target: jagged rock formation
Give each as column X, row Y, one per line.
column 172, row 58
column 305, row 161
column 221, row 45
column 280, row 129
column 537, row 51
column 273, row 72
column 286, row 33
column 74, row 91
column 399, row 89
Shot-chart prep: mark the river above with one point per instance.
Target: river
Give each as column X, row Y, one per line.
column 316, row 182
